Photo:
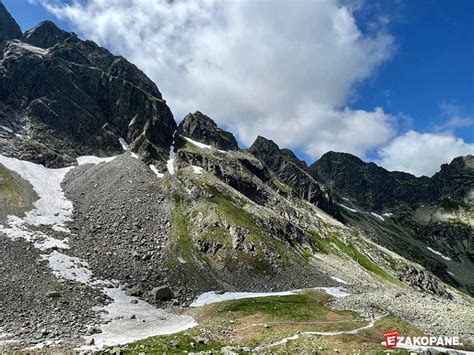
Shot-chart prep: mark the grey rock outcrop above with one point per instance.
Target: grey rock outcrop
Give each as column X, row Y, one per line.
column 294, row 172
column 203, row 129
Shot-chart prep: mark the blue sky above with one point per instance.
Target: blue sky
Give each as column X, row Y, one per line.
column 411, row 59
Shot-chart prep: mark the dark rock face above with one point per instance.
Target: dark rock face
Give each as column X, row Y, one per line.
column 456, row 179
column 293, row 172
column 72, row 97
column 203, row 129
column 372, row 186
column 9, row 29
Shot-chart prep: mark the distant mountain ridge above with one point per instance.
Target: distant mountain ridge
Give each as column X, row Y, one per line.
column 377, row 188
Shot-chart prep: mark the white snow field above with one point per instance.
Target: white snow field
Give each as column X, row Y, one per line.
column 214, row 297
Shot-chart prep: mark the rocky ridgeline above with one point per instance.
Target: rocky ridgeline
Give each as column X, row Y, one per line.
column 376, row 188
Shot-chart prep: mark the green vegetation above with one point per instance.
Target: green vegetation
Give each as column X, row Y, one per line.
column 453, row 205
column 13, row 192
column 363, row 261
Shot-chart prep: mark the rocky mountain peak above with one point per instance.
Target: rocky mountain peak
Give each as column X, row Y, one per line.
column 456, row 179
column 293, row 172
column 202, row 128
column 72, row 97
column 45, row 35
column 9, row 29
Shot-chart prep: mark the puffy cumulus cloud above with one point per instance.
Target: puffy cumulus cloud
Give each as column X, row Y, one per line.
column 422, row 153
column 284, row 70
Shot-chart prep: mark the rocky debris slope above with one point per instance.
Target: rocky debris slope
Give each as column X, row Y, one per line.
column 61, row 97
column 194, row 235
column 203, row 129
column 294, row 173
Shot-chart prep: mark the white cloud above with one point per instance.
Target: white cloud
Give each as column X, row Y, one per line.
column 284, row 70
column 422, row 153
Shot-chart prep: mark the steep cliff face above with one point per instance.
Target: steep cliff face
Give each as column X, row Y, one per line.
column 294, row 173
column 65, row 97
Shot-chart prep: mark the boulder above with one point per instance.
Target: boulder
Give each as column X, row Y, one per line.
column 162, row 293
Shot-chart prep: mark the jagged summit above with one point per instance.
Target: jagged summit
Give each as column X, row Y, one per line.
column 45, row 35
column 9, row 29
column 71, row 97
column 293, row 172
column 203, row 129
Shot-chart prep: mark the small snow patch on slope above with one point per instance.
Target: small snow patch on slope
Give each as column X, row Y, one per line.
column 197, row 169
column 126, row 148
column 376, row 215
column 202, row 145
column 338, row 280
column 348, row 208
column 90, row 159
column 31, row 48
column 155, row 170
column 387, row 214
column 438, row 253
column 170, row 162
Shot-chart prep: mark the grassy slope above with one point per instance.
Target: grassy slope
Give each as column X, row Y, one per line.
column 16, row 195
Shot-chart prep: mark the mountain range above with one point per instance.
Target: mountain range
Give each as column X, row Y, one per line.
column 104, row 197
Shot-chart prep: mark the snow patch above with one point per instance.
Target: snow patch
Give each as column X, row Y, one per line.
column 123, row 144
column 438, row 253
column 197, row 169
column 338, row 292
column 155, row 170
column 348, row 208
column 28, row 47
column 90, row 159
column 170, row 162
column 338, row 280
column 148, row 321
column 376, row 215
column 214, row 297
column 126, row 148
column 52, row 208
column 387, row 214
column 6, row 129
column 202, row 145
